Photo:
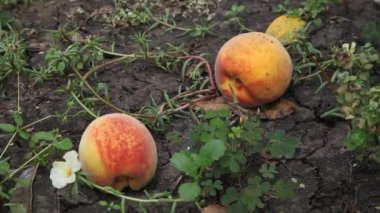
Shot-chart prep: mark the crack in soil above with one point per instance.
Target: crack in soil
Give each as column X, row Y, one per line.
column 305, row 160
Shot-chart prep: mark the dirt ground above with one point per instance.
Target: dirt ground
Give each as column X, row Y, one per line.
column 334, row 182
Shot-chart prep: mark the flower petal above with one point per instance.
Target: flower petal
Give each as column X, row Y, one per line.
column 71, row 178
column 72, row 161
column 57, row 174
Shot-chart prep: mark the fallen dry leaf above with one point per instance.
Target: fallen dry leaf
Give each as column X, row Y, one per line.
column 22, row 195
column 214, row 208
column 285, row 28
column 280, row 109
column 214, row 104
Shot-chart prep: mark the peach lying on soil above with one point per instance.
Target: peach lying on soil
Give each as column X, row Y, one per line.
column 286, row 28
column 254, row 68
column 118, row 150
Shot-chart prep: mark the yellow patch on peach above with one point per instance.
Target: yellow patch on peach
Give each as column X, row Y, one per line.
column 254, row 68
column 118, row 150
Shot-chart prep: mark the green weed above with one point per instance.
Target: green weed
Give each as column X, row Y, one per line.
column 12, row 54
column 358, row 96
column 371, row 32
column 234, row 17
column 221, row 151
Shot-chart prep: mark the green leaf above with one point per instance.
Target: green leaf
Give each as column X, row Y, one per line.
column 217, row 123
column 371, row 32
column 284, row 148
column 7, row 127
column 207, row 182
column 214, row 129
column 18, row 119
column 223, row 113
column 233, row 165
column 254, row 134
column 252, row 194
column 23, row 134
column 235, row 132
column 230, row 196
column 213, row 150
column 234, row 161
column 317, row 22
column 189, row 191
column 23, row 182
column 79, row 66
column 268, row 171
column 355, row 139
column 217, row 171
column 44, row 136
column 64, row 144
column 256, row 183
column 61, row 66
column 102, row 203
column 185, row 162
column 206, row 137
column 284, row 191
column 16, row 208
column 116, row 206
column 3, row 194
column 174, row 137
column 277, row 135
column 238, row 207
column 4, row 167
column 5, row 18
column 251, row 198
column 218, row 184
column 211, row 187
column 235, row 11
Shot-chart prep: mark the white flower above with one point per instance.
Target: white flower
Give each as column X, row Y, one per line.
column 62, row 172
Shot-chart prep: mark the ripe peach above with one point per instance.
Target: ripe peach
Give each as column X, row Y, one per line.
column 118, row 150
column 286, row 28
column 253, row 67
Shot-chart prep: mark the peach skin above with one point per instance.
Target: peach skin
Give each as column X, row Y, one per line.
column 118, row 150
column 253, row 69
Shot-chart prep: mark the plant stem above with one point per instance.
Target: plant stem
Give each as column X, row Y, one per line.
column 116, row 54
column 24, row 127
column 190, row 93
column 95, row 93
column 208, row 67
column 83, row 106
column 114, row 61
column 309, row 76
column 134, row 199
column 18, row 110
column 122, row 205
column 37, row 121
column 18, row 92
column 170, row 25
column 173, row 209
column 187, row 105
column 8, row 144
column 26, row 163
column 122, row 58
